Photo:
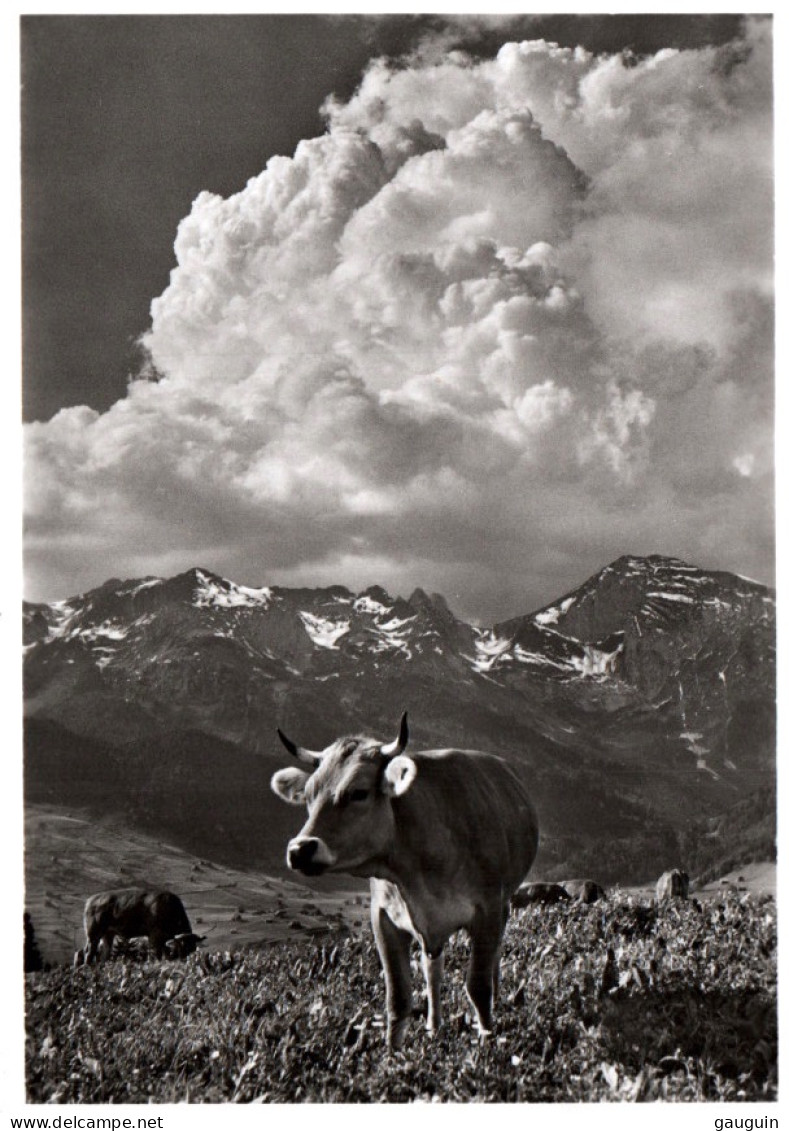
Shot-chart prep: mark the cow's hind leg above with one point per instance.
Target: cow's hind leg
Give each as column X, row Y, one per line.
column 483, row 972
column 93, row 945
column 394, row 948
column 505, row 914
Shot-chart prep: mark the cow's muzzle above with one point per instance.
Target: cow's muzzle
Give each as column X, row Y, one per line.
column 306, row 856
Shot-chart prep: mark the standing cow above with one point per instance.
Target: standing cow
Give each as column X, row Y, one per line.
column 132, row 912
column 673, row 884
column 445, row 836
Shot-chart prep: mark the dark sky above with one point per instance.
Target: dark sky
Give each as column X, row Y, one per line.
column 126, row 119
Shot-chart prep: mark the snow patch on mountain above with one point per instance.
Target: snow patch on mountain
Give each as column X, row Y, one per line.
column 595, row 661
column 64, row 614
column 149, row 583
column 395, row 624
column 696, row 747
column 749, row 596
column 324, row 633
column 390, row 636
column 551, row 616
column 366, row 604
column 562, row 653
column 106, row 629
column 489, row 649
column 692, row 739
column 525, row 657
column 228, row 595
column 664, row 595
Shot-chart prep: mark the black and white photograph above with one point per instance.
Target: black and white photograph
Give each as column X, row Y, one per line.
column 397, row 667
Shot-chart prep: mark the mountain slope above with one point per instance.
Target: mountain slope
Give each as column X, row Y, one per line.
column 641, row 702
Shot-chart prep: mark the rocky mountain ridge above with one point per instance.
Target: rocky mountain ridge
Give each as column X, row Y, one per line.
column 643, row 699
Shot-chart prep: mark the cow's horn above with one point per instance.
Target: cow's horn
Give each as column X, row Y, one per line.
column 392, row 749
column 308, row 757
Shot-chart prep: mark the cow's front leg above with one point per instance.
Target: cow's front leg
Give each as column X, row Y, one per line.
column 394, row 948
column 483, row 972
column 433, row 969
column 156, row 941
column 104, row 948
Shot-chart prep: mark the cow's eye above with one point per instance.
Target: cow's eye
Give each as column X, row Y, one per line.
column 358, row 795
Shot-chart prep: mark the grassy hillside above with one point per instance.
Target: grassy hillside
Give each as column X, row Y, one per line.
column 208, row 796
column 745, row 833
column 69, row 855
column 619, row 1001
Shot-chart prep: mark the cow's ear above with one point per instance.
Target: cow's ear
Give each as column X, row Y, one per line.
column 399, row 775
column 290, row 784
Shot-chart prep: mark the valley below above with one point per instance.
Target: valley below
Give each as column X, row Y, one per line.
column 69, row 856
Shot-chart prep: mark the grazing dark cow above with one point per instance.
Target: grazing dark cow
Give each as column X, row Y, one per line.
column 135, row 949
column 673, row 885
column 445, row 836
column 538, row 893
column 585, row 891
column 131, row 912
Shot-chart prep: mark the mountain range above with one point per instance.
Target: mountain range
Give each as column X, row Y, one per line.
column 642, row 702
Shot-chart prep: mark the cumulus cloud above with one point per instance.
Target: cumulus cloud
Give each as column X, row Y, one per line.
column 503, row 321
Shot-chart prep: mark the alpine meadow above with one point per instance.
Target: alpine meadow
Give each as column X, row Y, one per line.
column 399, row 670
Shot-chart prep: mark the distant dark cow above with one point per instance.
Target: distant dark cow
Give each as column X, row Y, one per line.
column 585, row 891
column 132, row 912
column 673, row 885
column 445, row 836
column 538, row 893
